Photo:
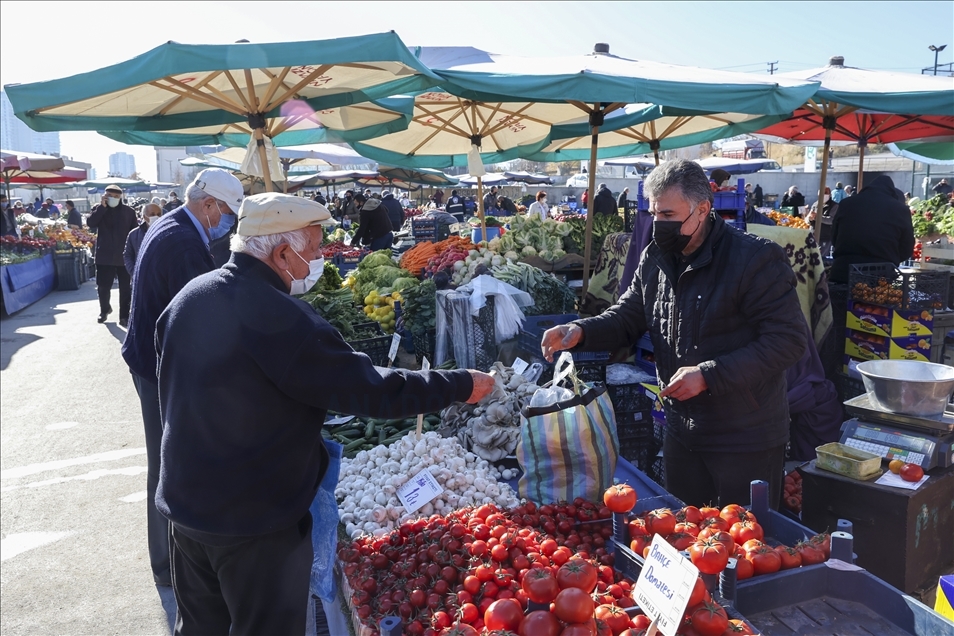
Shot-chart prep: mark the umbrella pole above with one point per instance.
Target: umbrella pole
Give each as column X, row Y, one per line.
column 588, row 240
column 819, row 206
column 861, row 163
column 480, row 209
column 259, row 134
column 656, row 155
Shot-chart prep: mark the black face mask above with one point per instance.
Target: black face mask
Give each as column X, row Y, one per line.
column 668, row 236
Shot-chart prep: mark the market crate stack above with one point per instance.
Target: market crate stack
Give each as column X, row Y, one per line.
column 891, row 313
column 634, row 424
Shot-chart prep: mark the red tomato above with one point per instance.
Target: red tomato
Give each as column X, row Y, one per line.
column 688, row 527
column 615, row 618
column 579, row 629
column 708, row 512
column 573, row 605
column 540, row 585
column 764, row 559
column 810, row 554
column 690, row 514
column 742, row 531
column 743, row 569
column 638, row 544
column 504, row 614
column 721, row 536
column 661, row 521
column 709, row 619
column 577, row 573
column 620, row 498
column 680, row 540
column 602, row 629
column 459, row 630
column 823, row 543
column 709, row 556
column 540, row 623
column 713, row 522
column 790, row 557
column 911, row 472
column 637, row 528
column 699, row 593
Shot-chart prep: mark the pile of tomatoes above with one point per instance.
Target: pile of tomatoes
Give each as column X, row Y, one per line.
column 793, row 492
column 712, row 536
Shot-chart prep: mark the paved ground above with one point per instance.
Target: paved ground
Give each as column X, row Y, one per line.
column 73, row 470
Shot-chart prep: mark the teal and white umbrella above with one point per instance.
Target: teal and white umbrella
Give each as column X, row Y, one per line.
column 280, row 91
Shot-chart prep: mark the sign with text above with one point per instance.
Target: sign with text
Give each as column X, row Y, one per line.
column 664, row 585
column 421, row 489
column 395, row 343
column 519, row 366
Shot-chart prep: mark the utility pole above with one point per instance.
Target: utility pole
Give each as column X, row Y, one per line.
column 771, row 66
column 936, row 49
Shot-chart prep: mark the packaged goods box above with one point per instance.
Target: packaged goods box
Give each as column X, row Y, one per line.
column 866, row 346
column 888, row 322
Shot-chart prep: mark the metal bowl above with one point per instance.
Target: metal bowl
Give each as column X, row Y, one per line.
column 907, row 386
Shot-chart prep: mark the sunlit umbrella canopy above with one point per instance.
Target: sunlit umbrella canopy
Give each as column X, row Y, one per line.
column 600, row 84
column 23, row 168
column 422, row 176
column 259, row 90
column 937, row 153
column 521, row 176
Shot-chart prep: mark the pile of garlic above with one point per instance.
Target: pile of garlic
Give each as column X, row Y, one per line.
column 368, row 484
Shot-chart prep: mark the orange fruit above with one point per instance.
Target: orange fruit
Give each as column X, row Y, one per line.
column 895, row 466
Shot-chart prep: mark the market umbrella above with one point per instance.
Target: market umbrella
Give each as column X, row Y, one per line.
column 856, row 105
column 29, row 168
column 600, row 84
column 522, row 176
column 932, row 153
column 489, row 179
column 642, row 165
column 258, row 90
column 422, row 176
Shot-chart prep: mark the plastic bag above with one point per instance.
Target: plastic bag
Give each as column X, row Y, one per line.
column 324, row 528
column 508, row 301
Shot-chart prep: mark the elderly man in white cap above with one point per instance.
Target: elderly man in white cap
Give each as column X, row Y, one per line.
column 173, row 252
column 113, row 220
column 247, row 373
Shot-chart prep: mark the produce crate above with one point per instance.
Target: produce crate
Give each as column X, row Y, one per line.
column 424, row 345
column 347, row 263
column 636, row 443
column 67, row 270
column 943, row 323
column 481, row 338
column 627, row 562
column 376, row 348
column 630, row 398
column 657, row 472
column 883, row 284
column 590, row 366
column 823, row 600
column 531, row 333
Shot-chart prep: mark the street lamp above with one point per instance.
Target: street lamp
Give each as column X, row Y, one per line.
column 936, row 49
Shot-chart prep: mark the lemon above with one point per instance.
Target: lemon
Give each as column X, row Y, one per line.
column 369, row 300
column 396, row 295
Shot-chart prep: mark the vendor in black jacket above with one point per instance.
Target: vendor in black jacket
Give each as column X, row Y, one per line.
column 247, row 373
column 725, row 322
column 374, row 229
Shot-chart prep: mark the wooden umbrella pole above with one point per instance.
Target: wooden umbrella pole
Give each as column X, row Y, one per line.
column 862, row 144
column 819, row 206
column 588, row 240
column 656, row 155
column 259, row 134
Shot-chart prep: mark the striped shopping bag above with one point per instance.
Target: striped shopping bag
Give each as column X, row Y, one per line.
column 568, row 449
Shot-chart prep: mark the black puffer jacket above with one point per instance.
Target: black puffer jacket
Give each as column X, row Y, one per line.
column 604, row 203
column 734, row 313
column 395, row 211
column 112, row 226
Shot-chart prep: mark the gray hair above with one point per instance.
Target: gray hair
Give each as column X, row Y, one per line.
column 261, row 246
column 195, row 194
column 686, row 176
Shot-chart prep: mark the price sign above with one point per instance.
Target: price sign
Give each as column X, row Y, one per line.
column 425, row 366
column 395, row 343
column 519, row 366
column 664, row 585
column 421, row 489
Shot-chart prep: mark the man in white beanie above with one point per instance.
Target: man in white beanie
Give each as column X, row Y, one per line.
column 247, row 373
column 173, row 252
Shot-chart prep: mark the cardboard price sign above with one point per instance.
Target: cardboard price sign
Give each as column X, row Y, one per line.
column 421, row 489
column 425, row 366
column 664, row 586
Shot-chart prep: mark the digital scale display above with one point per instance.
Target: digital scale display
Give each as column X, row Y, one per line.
column 892, row 443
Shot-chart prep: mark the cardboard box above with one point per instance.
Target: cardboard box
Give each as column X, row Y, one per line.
column 885, row 321
column 866, row 346
column 652, row 391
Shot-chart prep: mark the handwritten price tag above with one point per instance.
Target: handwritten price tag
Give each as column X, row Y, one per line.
column 425, row 366
column 519, row 366
column 395, row 343
column 664, row 586
column 421, row 489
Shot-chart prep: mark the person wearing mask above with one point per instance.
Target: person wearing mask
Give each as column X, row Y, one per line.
column 490, row 200
column 46, row 210
column 172, row 203
column 506, row 205
column 319, row 198
column 539, row 207
column 793, row 199
column 874, row 226
column 219, row 240
column 8, row 219
column 150, row 212
column 374, row 227
column 622, row 199
column 174, row 251
column 455, row 206
column 722, row 344
column 236, row 488
column 393, row 209
column 73, row 217
column 350, row 208
column 838, row 193
column 604, row 202
column 829, row 210
column 113, row 220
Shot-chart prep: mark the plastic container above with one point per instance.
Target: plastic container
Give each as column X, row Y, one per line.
column 850, row 462
column 376, row 348
column 476, row 235
column 67, row 270
column 531, row 333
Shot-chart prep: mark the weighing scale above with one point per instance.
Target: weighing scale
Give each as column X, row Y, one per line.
column 926, row 441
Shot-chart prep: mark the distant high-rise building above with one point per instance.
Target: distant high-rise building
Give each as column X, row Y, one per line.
column 122, row 164
column 15, row 135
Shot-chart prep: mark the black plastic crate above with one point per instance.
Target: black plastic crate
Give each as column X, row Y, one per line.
column 657, row 470
column 630, row 398
column 883, row 284
column 67, row 270
column 531, row 333
column 636, row 443
column 376, row 348
column 481, row 338
column 587, row 369
column 424, row 345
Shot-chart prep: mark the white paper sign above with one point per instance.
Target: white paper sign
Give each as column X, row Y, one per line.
column 395, row 343
column 664, row 585
column 519, row 366
column 895, row 481
column 344, row 419
column 425, row 364
column 421, row 489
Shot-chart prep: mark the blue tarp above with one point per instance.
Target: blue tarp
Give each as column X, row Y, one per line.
column 25, row 283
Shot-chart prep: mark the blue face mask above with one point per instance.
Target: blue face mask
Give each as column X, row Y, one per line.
column 220, row 230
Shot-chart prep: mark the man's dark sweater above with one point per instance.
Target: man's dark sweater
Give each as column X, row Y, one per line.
column 246, row 375
column 172, row 254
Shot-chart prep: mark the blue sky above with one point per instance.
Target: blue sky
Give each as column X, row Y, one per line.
column 42, row 41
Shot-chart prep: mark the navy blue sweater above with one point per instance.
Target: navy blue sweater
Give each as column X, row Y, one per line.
column 172, row 253
column 246, row 375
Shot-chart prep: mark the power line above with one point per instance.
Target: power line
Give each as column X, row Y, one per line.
column 771, row 66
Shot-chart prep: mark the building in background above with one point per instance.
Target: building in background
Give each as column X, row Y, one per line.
column 15, row 135
column 122, row 164
column 168, row 168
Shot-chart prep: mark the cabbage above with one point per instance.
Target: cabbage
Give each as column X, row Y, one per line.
column 528, row 250
column 511, row 255
column 378, row 259
column 404, row 283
